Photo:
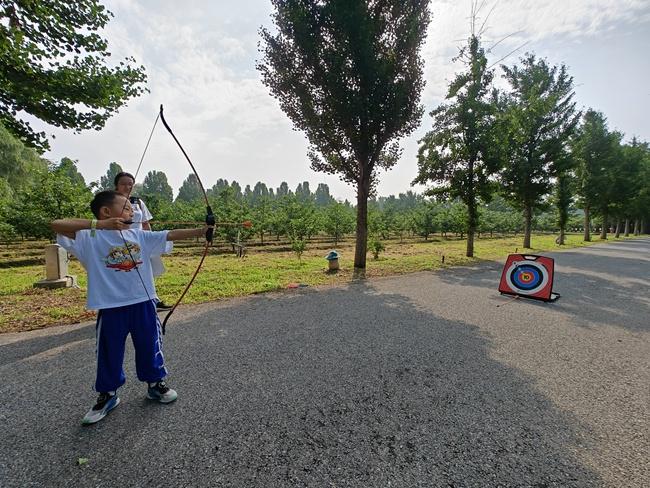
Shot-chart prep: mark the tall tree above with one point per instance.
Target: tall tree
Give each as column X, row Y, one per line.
column 218, row 187
column 236, row 188
column 52, row 194
column 155, row 183
column 190, row 190
column 408, row 200
column 322, row 195
column 595, row 151
column 18, row 163
column 640, row 203
column 303, row 193
column 461, row 153
column 248, row 193
column 627, row 182
column 107, row 182
column 539, row 119
column 349, row 74
column 54, row 67
column 283, row 190
column 564, row 190
column 260, row 190
column 7, row 230
column 68, row 168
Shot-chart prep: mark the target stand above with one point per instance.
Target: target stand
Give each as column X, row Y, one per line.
column 529, row 276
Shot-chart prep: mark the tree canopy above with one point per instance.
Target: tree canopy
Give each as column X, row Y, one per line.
column 54, row 66
column 349, row 74
column 539, row 119
column 461, row 153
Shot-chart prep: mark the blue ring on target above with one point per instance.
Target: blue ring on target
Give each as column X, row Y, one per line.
column 526, row 277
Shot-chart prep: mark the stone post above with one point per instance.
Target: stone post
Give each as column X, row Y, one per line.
column 56, row 269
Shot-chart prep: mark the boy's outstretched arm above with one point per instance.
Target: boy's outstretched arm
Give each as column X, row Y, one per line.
column 177, row 234
column 68, row 227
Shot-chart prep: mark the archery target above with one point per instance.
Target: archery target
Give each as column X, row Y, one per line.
column 527, row 275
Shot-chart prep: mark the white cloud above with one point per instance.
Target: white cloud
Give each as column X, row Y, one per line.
column 200, row 59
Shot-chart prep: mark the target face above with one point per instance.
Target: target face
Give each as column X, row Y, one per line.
column 529, row 276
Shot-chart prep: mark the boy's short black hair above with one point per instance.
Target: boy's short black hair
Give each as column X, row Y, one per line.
column 103, row 199
column 120, row 174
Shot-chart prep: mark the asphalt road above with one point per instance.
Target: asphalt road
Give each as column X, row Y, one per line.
column 425, row 380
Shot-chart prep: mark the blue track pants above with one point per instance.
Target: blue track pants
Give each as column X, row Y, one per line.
column 113, row 325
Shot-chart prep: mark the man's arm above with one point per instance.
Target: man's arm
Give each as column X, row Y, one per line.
column 68, row 227
column 177, row 234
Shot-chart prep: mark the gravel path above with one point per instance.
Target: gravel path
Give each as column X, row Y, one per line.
column 424, row 380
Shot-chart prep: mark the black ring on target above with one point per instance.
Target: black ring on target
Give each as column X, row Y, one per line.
column 527, row 277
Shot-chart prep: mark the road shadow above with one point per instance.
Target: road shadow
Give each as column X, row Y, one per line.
column 345, row 387
column 39, row 343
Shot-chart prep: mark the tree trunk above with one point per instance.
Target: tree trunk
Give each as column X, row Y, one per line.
column 618, row 228
column 469, row 252
column 627, row 227
column 603, row 231
column 361, row 248
column 528, row 218
column 587, row 236
column 472, row 224
column 560, row 239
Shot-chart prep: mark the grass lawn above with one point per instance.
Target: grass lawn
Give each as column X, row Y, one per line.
column 23, row 307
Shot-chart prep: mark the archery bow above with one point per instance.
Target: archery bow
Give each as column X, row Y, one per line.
column 209, row 220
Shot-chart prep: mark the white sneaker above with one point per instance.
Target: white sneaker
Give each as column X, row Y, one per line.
column 105, row 403
column 161, row 392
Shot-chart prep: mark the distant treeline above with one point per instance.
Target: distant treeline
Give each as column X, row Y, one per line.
column 34, row 191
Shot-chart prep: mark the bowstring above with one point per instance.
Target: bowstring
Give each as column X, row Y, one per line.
column 126, row 245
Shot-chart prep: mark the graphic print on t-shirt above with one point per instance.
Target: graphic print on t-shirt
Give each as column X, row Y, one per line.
column 119, row 257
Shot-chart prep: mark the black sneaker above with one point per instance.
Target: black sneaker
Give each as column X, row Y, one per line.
column 161, row 392
column 105, row 403
column 163, row 306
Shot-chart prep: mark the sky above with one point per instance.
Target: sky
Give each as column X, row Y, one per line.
column 200, row 61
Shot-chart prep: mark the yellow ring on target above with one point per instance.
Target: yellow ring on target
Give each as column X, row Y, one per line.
column 526, row 276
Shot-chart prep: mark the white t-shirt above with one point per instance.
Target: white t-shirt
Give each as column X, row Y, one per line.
column 140, row 214
column 112, row 279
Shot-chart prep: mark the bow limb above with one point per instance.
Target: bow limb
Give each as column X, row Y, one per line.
column 196, row 272
column 209, row 220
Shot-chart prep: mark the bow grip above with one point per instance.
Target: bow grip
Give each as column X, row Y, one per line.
column 209, row 220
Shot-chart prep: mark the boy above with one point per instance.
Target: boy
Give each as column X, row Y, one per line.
column 120, row 287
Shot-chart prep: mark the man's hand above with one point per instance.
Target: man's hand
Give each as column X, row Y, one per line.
column 115, row 223
column 208, row 231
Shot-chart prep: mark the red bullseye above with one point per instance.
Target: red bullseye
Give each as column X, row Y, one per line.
column 526, row 277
